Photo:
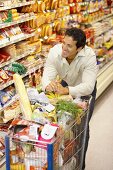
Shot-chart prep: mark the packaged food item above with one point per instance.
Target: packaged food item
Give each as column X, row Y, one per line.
column 3, row 75
column 4, row 55
column 11, row 50
column 17, row 68
column 47, row 30
column 47, row 4
column 57, row 25
column 72, row 8
column 54, row 4
column 41, row 6
column 4, row 97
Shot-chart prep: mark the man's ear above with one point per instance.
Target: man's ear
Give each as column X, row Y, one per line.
column 79, row 49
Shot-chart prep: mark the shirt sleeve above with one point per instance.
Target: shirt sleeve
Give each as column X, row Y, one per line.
column 89, row 75
column 50, row 71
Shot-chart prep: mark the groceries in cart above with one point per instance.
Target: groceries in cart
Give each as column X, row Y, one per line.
column 47, row 121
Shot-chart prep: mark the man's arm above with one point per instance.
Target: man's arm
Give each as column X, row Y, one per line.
column 88, row 79
column 50, row 72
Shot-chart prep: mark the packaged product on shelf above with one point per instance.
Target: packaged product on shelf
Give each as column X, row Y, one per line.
column 9, row 50
column 65, row 2
column 3, row 37
column 41, row 6
column 21, row 47
column 10, row 90
column 4, row 97
column 54, row 4
column 4, row 76
column 47, row 4
column 12, row 112
column 26, row 29
column 37, row 45
column 3, row 16
column 57, row 25
column 46, row 30
column 17, row 68
column 4, row 56
column 49, row 16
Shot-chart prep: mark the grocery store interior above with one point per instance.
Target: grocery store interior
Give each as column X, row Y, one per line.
column 28, row 29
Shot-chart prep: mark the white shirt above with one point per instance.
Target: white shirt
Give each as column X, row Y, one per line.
column 80, row 75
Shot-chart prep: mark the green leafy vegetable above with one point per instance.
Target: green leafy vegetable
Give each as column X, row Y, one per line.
column 68, row 106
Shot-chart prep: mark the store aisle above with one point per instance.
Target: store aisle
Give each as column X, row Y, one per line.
column 100, row 150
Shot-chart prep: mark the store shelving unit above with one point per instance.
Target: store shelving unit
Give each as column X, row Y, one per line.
column 102, row 18
column 14, row 59
column 105, row 74
column 10, row 41
column 27, row 73
column 16, row 5
column 104, row 78
column 16, row 39
column 4, row 25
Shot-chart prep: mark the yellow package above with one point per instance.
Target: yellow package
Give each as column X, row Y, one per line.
column 41, row 6
column 34, row 7
column 57, row 25
column 47, row 4
column 54, row 4
column 38, row 46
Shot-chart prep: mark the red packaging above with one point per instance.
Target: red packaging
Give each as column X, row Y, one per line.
column 72, row 8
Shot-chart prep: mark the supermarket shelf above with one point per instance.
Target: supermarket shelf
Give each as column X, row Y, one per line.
column 15, row 59
column 102, row 18
column 104, row 78
column 27, row 73
column 3, row 25
column 16, row 5
column 94, row 10
column 32, row 70
column 106, row 66
column 18, row 38
column 104, row 31
column 108, row 7
column 10, row 102
column 83, row 3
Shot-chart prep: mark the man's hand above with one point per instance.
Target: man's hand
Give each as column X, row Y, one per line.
column 52, row 87
column 56, row 87
column 62, row 90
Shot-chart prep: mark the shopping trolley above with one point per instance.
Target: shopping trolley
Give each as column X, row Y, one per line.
column 64, row 153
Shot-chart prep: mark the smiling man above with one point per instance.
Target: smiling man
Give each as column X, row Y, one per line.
column 74, row 63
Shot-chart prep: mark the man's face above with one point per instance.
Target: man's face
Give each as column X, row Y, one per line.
column 69, row 48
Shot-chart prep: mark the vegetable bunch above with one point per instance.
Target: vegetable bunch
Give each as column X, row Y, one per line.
column 68, row 106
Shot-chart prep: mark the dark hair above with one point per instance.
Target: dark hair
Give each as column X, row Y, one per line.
column 77, row 35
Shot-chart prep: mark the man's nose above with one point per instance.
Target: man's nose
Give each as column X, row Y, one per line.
column 64, row 47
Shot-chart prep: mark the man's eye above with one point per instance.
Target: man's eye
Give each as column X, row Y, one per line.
column 69, row 46
column 63, row 43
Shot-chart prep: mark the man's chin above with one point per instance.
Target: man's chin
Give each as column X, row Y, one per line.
column 64, row 56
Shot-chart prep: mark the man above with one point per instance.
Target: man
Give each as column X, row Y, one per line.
column 74, row 63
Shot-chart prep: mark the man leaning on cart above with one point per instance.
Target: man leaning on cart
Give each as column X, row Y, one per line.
column 75, row 63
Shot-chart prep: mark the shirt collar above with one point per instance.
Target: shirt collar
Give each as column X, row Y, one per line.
column 81, row 53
